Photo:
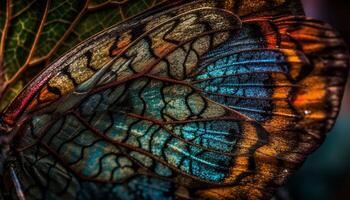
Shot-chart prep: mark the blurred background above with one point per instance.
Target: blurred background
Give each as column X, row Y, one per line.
column 326, row 173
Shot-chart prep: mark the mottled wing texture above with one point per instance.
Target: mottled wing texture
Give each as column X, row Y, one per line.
column 191, row 102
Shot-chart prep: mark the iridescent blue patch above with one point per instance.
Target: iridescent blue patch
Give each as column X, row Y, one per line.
column 238, row 74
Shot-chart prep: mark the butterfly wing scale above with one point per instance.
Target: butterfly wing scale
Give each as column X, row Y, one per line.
column 189, row 104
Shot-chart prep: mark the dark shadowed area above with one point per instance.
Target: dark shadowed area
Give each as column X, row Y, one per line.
column 326, row 173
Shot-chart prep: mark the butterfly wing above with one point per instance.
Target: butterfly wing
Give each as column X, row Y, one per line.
column 294, row 95
column 189, row 103
column 63, row 103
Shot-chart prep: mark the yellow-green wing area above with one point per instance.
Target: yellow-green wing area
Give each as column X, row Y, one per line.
column 34, row 33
